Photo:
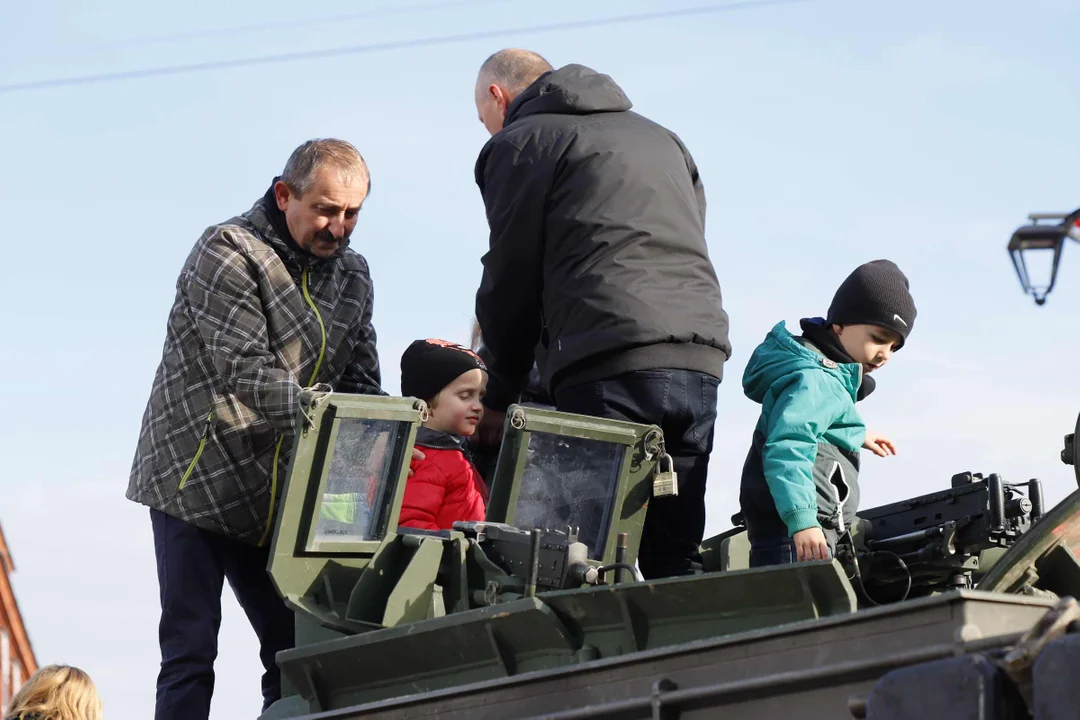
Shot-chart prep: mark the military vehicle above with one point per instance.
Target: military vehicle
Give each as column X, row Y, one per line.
column 957, row 603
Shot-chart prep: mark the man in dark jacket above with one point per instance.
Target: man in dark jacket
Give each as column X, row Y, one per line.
column 598, row 269
column 266, row 303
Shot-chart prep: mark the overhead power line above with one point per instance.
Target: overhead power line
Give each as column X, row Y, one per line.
column 232, row 31
column 387, row 46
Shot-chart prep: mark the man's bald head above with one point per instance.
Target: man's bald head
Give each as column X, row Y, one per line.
column 503, row 77
column 513, row 69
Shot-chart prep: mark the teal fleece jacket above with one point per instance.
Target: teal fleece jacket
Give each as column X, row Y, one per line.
column 806, row 399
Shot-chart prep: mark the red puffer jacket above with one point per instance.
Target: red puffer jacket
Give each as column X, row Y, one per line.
column 444, row 487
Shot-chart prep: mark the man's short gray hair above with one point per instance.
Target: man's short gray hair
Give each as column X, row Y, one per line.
column 513, row 69
column 314, row 155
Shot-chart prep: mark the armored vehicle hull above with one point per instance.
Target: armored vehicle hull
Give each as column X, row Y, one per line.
column 821, row 668
column 488, row 620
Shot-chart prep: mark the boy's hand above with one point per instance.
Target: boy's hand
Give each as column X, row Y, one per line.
column 810, row 545
column 879, row 444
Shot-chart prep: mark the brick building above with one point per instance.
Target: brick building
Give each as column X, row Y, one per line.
column 17, row 661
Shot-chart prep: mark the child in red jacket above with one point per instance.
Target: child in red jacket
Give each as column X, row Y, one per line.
column 445, row 486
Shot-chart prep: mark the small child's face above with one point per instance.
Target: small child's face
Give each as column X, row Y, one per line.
column 457, row 408
column 869, row 345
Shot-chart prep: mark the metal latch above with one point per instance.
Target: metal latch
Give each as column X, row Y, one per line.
column 310, row 398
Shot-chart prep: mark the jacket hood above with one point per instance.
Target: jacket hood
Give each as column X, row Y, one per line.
column 570, row 90
column 781, row 354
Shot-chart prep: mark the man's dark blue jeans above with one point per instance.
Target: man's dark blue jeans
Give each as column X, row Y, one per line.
column 192, row 566
column 683, row 404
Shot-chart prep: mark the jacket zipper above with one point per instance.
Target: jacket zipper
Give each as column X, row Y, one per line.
column 198, row 450
column 836, row 491
column 314, row 374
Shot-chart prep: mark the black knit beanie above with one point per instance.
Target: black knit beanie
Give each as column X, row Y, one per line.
column 875, row 293
column 427, row 366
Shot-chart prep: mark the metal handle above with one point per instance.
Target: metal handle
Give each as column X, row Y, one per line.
column 1035, row 495
column 534, row 562
column 997, row 501
column 620, row 556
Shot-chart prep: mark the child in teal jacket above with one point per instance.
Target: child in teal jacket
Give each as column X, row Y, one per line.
column 800, row 490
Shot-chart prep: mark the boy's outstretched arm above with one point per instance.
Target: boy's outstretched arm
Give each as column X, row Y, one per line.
column 806, row 404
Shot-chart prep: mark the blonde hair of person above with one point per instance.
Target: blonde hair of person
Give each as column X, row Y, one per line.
column 56, row 692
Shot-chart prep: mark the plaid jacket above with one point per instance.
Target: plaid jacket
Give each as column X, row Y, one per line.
column 253, row 322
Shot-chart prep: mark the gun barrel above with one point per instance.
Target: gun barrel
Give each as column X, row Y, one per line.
column 936, row 531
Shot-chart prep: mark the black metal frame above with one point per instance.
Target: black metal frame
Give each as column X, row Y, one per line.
column 1042, row 237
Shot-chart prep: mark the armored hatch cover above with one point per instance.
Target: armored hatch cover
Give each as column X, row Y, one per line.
column 559, row 629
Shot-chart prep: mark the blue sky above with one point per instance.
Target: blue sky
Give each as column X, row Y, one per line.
column 828, row 133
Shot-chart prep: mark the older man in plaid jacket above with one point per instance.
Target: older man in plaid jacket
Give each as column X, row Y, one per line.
column 267, row 303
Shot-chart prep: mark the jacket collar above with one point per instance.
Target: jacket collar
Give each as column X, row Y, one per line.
column 439, row 440
column 822, row 339
column 849, row 373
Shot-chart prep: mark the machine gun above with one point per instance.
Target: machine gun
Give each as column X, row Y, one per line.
column 944, row 540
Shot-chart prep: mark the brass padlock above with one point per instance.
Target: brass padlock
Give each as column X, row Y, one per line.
column 665, row 482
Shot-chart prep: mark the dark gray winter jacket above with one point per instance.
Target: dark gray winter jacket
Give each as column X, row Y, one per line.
column 597, row 249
